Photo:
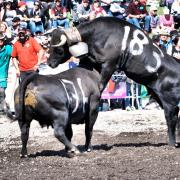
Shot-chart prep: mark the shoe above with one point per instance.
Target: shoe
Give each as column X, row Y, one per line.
column 128, row 108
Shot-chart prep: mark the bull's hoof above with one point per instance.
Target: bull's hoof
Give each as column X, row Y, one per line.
column 177, row 145
column 23, row 155
column 73, row 153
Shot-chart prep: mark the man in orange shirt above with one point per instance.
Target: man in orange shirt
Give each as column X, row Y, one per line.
column 27, row 54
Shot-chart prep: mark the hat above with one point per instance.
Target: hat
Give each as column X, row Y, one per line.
column 153, row 8
column 164, row 32
column 16, row 19
column 21, row 3
column 21, row 29
column 166, row 11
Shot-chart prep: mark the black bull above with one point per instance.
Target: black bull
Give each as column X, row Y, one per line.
column 116, row 44
column 71, row 97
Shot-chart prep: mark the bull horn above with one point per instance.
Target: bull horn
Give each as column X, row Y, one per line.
column 63, row 40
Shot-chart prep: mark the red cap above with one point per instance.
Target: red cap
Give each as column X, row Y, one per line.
column 21, row 3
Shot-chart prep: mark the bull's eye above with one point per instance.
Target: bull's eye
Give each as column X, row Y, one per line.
column 59, row 51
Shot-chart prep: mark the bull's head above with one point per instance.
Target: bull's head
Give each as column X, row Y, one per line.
column 64, row 44
column 59, row 49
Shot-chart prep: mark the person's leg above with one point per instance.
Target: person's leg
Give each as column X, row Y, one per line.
column 64, row 22
column 134, row 21
column 147, row 23
column 24, row 74
column 2, row 99
column 32, row 26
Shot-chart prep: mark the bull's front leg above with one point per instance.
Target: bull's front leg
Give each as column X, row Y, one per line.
column 89, row 124
column 24, row 127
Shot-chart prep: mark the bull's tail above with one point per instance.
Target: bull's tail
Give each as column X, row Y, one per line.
column 22, row 90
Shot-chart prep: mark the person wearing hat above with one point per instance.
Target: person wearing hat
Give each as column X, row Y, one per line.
column 154, row 19
column 165, row 41
column 58, row 16
column 22, row 14
column 27, row 54
column 9, row 14
column 84, row 11
column 166, row 20
column 137, row 14
column 15, row 27
column 5, row 55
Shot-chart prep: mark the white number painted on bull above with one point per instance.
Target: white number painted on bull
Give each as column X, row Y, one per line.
column 140, row 43
column 74, row 93
column 158, row 63
column 134, row 41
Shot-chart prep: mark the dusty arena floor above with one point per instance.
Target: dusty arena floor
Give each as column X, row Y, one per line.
column 127, row 145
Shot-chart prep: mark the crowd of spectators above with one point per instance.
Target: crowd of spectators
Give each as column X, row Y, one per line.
column 22, row 24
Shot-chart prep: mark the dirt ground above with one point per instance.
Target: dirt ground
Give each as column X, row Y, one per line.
column 127, row 145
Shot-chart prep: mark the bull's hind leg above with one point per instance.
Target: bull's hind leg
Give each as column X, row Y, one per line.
column 68, row 133
column 171, row 114
column 89, row 124
column 59, row 132
column 24, row 127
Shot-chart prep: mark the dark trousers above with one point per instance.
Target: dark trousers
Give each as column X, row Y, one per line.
column 24, row 74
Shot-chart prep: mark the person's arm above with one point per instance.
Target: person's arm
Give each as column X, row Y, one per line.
column 15, row 62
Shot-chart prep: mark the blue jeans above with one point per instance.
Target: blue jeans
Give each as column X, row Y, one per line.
column 34, row 27
column 59, row 22
column 136, row 22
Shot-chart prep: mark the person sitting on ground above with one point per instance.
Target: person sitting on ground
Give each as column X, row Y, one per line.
column 22, row 14
column 84, row 11
column 118, row 9
column 58, row 16
column 5, row 55
column 176, row 48
column 165, row 41
column 15, row 27
column 166, row 20
column 137, row 14
column 36, row 15
column 9, row 14
column 154, row 24
column 97, row 10
column 175, row 11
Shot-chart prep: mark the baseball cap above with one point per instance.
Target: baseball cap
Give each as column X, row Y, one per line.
column 16, row 19
column 21, row 3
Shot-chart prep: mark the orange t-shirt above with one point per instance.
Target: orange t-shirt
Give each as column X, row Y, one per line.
column 26, row 54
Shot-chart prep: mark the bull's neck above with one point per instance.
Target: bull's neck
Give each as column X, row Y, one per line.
column 86, row 30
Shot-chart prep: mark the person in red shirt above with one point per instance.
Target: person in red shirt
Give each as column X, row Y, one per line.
column 137, row 13
column 27, row 54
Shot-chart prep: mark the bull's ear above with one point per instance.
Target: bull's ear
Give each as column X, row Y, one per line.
column 49, row 32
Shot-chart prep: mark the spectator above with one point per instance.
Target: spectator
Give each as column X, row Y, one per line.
column 176, row 48
column 118, row 9
column 15, row 27
column 58, row 16
column 5, row 55
column 165, row 41
column 106, row 4
column 5, row 29
column 154, row 24
column 175, row 10
column 22, row 14
column 9, row 14
column 166, row 20
column 84, row 11
column 137, row 14
column 27, row 54
column 97, row 10
column 36, row 15
column 169, row 4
